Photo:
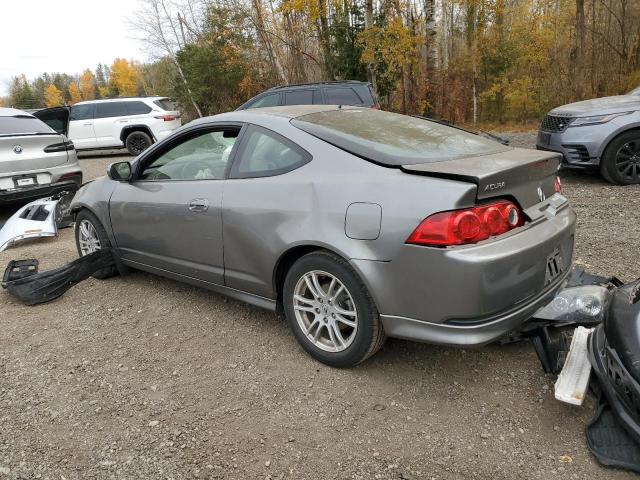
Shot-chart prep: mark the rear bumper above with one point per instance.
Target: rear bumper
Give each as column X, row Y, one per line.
column 39, row 191
column 477, row 334
column 474, row 294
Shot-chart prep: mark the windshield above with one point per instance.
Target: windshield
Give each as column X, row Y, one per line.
column 635, row 91
column 23, row 125
column 394, row 139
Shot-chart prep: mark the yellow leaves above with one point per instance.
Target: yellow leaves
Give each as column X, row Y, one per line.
column 393, row 42
column 53, row 96
column 74, row 93
column 124, row 77
column 87, row 85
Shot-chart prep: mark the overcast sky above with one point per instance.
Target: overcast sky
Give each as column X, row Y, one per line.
column 66, row 36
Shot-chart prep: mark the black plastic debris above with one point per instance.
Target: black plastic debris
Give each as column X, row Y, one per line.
column 610, row 442
column 17, row 269
column 22, row 280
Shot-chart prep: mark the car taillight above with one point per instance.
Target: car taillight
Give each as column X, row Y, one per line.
column 59, row 147
column 557, row 185
column 470, row 225
column 75, row 176
column 167, row 118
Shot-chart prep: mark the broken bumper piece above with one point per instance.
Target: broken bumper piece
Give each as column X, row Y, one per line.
column 22, row 280
column 40, row 218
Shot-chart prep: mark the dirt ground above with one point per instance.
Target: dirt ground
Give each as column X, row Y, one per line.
column 140, row 377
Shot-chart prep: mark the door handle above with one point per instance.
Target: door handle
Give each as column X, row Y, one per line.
column 87, row 124
column 199, row 205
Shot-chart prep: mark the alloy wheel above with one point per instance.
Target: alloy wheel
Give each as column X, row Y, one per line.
column 88, row 238
column 138, row 144
column 628, row 161
column 325, row 311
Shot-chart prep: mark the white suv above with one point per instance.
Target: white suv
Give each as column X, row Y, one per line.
column 134, row 123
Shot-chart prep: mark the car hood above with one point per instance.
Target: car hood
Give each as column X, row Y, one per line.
column 599, row 106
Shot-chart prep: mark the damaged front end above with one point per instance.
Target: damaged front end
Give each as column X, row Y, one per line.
column 40, row 218
column 614, row 353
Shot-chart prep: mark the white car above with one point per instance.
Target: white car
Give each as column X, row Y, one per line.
column 133, row 123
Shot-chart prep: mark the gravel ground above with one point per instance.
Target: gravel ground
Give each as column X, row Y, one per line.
column 143, row 377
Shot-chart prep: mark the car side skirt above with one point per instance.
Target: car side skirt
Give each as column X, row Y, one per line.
column 256, row 300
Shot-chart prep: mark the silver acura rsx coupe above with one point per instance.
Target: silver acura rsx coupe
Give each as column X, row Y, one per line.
column 354, row 223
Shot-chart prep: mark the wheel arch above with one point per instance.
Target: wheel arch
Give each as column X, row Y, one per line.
column 286, row 261
column 626, row 129
column 124, row 133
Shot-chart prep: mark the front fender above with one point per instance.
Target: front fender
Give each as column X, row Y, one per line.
column 622, row 127
column 95, row 196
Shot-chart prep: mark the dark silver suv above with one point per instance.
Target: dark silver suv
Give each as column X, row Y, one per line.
column 350, row 92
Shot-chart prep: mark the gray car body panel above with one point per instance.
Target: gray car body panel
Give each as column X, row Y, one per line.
column 594, row 138
column 264, row 219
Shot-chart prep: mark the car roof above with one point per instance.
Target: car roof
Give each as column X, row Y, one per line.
column 118, row 99
column 288, row 111
column 319, row 84
column 13, row 112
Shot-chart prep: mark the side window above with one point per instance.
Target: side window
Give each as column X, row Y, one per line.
column 317, row 97
column 137, row 108
column 271, row 100
column 201, row 157
column 81, row 112
column 264, row 154
column 111, row 109
column 298, row 97
column 342, row 96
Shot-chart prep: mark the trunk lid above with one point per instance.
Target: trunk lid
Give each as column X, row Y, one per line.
column 56, row 117
column 22, row 153
column 526, row 175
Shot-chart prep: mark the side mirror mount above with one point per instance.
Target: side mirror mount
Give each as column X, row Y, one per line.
column 120, row 171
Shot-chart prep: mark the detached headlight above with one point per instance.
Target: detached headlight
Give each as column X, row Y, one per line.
column 584, row 305
column 595, row 120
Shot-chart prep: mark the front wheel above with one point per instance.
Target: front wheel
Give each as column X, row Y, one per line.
column 91, row 237
column 330, row 311
column 621, row 160
column 137, row 142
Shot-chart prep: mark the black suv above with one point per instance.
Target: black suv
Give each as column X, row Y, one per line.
column 349, row 92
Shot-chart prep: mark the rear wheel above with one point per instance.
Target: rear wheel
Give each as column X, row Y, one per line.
column 91, row 237
column 137, row 142
column 621, row 160
column 330, row 311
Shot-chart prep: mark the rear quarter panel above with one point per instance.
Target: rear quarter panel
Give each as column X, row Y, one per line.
column 265, row 217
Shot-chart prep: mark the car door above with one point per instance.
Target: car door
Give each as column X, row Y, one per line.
column 81, row 130
column 260, row 207
column 110, row 118
column 169, row 215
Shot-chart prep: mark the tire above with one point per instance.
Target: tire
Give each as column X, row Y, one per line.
column 86, row 219
column 137, row 142
column 620, row 163
column 356, row 342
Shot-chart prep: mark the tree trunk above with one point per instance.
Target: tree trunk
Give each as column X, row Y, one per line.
column 368, row 23
column 429, row 8
column 324, row 38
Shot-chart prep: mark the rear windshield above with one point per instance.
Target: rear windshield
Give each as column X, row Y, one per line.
column 22, row 125
column 394, row 139
column 165, row 104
